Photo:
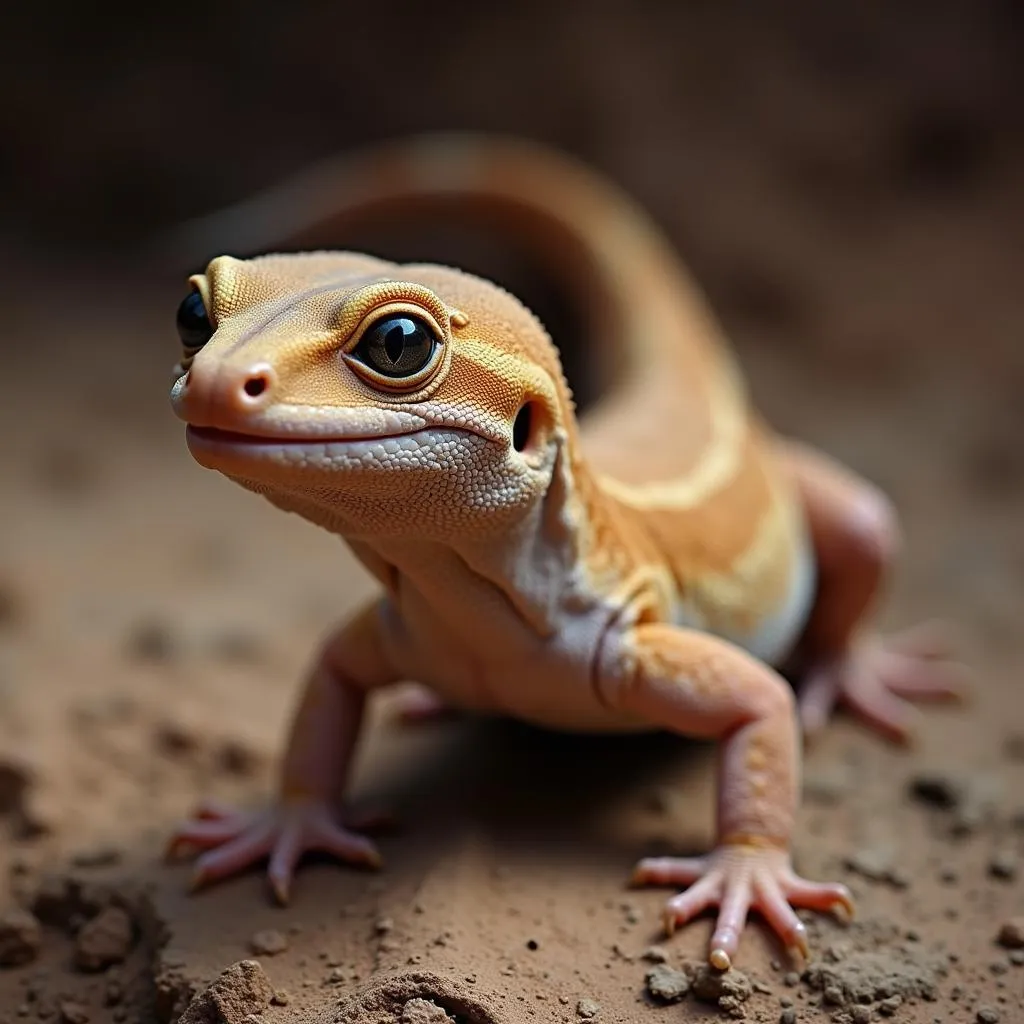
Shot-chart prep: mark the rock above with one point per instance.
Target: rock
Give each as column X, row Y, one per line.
column 666, row 984
column 587, row 1009
column 268, row 942
column 106, row 939
column 240, row 990
column 21, row 938
column 1011, row 933
column 986, row 1015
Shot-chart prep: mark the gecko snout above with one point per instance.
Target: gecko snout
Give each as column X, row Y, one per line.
column 223, row 396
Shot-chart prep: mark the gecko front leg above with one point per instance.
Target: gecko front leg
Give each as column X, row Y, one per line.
column 322, row 742
column 699, row 685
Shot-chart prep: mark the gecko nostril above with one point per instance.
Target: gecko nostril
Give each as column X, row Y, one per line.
column 256, row 385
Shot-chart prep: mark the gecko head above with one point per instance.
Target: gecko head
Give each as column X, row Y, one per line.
column 376, row 399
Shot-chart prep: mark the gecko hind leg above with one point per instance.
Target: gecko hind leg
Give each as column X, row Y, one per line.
column 855, row 534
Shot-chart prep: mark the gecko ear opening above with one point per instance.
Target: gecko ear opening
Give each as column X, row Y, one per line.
column 522, row 428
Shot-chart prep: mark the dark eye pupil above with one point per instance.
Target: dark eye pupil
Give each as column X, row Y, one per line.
column 397, row 346
column 194, row 327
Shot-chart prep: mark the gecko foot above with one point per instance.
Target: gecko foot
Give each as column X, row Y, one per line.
column 879, row 677
column 738, row 879
column 235, row 840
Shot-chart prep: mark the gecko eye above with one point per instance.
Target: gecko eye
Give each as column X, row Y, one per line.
column 194, row 327
column 397, row 346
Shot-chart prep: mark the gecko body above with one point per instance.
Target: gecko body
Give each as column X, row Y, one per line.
column 653, row 564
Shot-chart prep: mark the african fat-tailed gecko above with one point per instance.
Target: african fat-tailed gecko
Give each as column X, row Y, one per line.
column 652, row 567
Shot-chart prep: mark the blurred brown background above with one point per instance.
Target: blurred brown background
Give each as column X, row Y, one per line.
column 846, row 182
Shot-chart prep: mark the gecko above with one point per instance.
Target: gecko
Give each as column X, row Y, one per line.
column 663, row 561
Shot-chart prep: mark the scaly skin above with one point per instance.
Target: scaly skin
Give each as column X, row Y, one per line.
column 649, row 568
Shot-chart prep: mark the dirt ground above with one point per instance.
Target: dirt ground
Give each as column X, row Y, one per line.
column 863, row 245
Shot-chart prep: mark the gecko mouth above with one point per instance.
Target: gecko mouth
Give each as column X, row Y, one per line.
column 234, row 438
column 234, row 452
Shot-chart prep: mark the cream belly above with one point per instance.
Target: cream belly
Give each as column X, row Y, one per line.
column 772, row 638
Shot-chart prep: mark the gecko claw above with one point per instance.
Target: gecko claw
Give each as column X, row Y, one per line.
column 281, row 889
column 720, row 959
column 844, row 909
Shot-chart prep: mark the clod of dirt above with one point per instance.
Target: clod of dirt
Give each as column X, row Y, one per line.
column 730, row 990
column 873, row 977
column 268, row 942
column 60, row 899
column 384, row 1000
column 667, row 984
column 424, row 1011
column 587, row 1009
column 21, row 938
column 1011, row 933
column 241, row 989
column 106, row 939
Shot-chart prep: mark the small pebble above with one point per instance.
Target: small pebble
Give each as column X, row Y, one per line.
column 73, row 1013
column 587, row 1009
column 887, row 1007
column 860, row 1014
column 986, row 1015
column 788, row 1016
column 1011, row 933
column 268, row 942
column 1004, row 864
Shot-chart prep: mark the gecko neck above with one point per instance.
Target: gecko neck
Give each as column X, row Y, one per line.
column 537, row 566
